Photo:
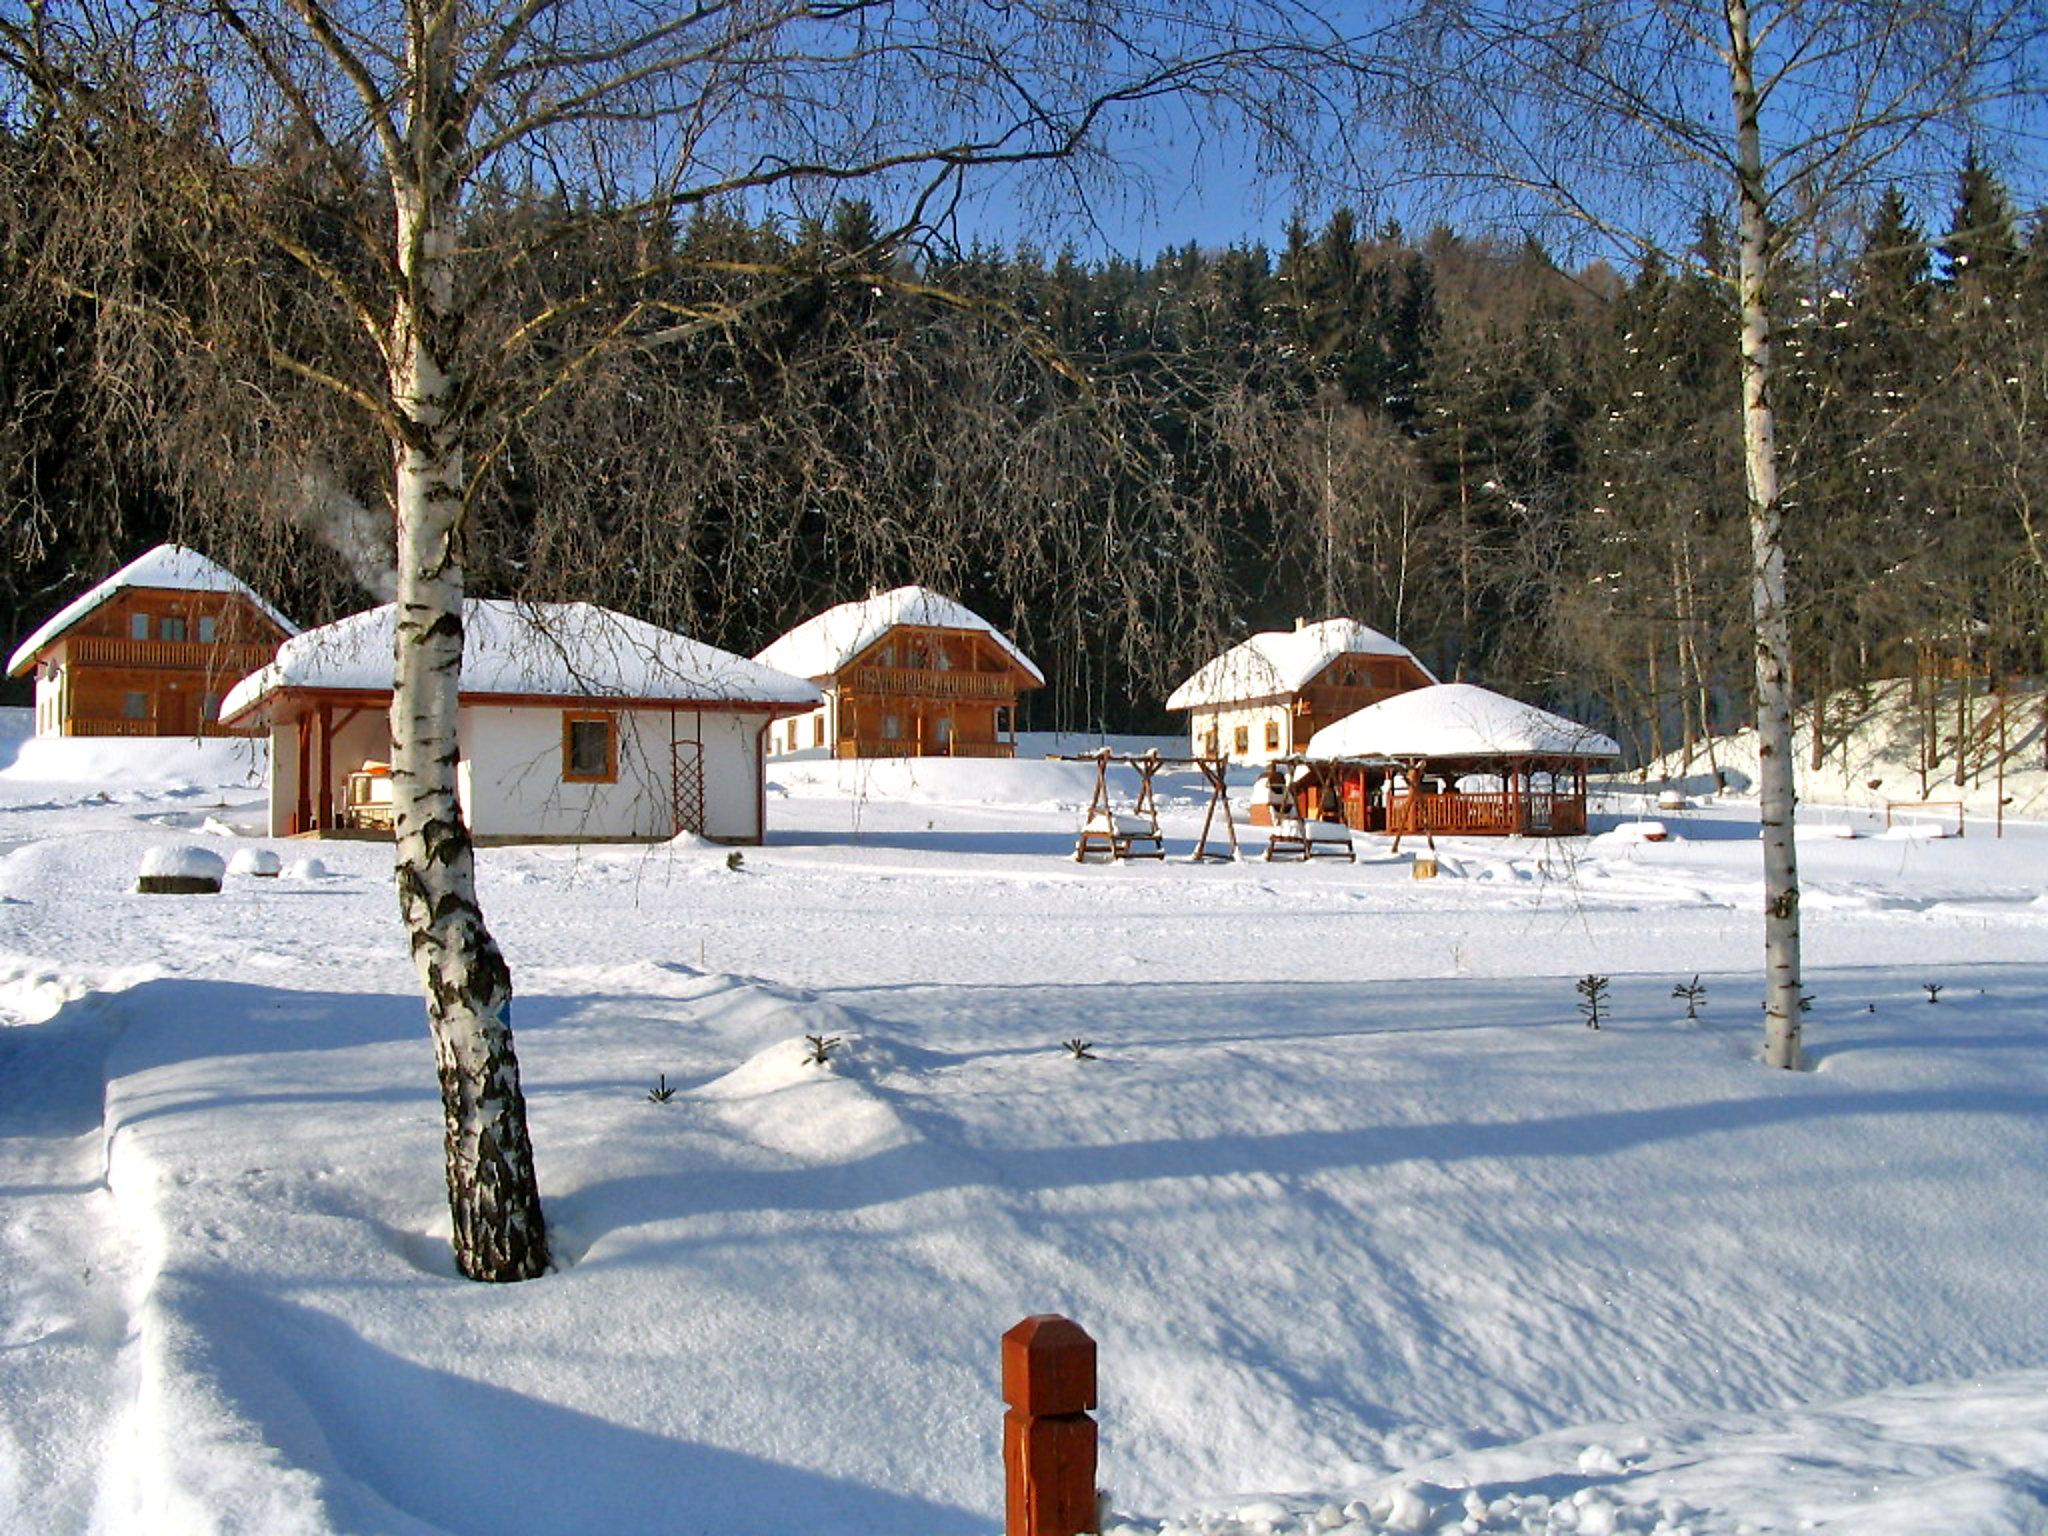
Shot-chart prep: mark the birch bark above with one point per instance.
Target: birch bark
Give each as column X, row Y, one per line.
column 493, row 1193
column 1776, row 790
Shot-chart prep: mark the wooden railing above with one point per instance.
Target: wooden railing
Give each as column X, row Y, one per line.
column 931, row 683
column 869, row 746
column 121, row 725
column 1486, row 815
column 226, row 662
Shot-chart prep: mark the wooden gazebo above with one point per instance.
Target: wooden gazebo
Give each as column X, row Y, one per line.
column 1453, row 759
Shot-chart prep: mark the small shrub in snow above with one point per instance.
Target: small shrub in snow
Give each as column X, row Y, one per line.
column 822, row 1047
column 735, row 861
column 660, row 1093
column 1694, row 995
column 1592, row 992
column 260, row 862
column 180, row 871
column 1079, row 1049
column 1933, row 990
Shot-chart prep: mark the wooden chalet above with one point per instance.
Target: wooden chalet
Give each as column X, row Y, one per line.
column 1453, row 759
column 904, row 673
column 575, row 724
column 1265, row 697
column 150, row 651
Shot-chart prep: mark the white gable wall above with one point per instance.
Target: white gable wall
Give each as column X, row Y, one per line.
column 1254, row 717
column 511, row 780
column 510, row 777
column 49, row 700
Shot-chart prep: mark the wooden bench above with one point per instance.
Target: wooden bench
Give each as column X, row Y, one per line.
column 1294, row 837
column 1120, row 836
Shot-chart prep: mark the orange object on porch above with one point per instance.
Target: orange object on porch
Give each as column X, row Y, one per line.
column 1048, row 1438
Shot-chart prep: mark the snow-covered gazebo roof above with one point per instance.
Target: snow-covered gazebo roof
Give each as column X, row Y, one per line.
column 1281, row 661
column 168, row 567
column 823, row 644
column 547, row 650
column 1457, row 720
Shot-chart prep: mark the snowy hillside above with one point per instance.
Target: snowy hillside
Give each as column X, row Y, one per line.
column 1374, row 1233
column 1877, row 749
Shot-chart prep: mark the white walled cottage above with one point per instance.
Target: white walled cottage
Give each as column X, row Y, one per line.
column 576, row 724
column 1266, row 696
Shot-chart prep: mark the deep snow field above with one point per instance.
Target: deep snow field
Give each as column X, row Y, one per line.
column 1373, row 1233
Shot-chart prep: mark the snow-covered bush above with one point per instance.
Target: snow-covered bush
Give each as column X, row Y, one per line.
column 180, row 870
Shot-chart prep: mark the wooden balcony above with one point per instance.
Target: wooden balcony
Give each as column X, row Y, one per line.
column 931, row 683
column 224, row 662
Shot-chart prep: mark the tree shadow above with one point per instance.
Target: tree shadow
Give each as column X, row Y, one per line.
column 397, row 1445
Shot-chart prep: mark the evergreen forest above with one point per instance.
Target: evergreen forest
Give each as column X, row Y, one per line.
column 1529, row 474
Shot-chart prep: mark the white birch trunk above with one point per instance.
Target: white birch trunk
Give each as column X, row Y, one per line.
column 1776, row 789
column 493, row 1195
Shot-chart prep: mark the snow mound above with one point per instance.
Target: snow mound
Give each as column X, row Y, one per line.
column 182, row 861
column 1637, row 832
column 131, row 762
column 948, row 781
column 307, row 869
column 260, row 862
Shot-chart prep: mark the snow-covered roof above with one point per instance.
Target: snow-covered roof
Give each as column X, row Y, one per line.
column 571, row 650
column 821, row 645
column 168, row 566
column 1277, row 661
column 1457, row 720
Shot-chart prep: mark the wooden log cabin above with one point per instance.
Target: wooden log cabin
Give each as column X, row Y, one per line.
column 1452, row 759
column 1265, row 697
column 904, row 673
column 150, row 651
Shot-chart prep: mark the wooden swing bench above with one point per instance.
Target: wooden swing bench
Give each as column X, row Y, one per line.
column 1121, row 835
column 1296, row 837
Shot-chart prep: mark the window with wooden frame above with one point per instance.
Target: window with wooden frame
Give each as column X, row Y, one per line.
column 1272, row 735
column 590, row 748
column 1241, row 738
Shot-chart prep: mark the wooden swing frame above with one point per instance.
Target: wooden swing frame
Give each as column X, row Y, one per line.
column 1135, row 834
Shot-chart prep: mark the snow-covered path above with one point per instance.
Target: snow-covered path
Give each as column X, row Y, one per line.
column 66, row 1373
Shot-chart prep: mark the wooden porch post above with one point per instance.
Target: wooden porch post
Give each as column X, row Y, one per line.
column 302, row 812
column 326, row 807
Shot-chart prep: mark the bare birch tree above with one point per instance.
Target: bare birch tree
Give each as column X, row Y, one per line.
column 1627, row 116
column 659, row 109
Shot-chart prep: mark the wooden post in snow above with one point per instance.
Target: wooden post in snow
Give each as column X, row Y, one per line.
column 1048, row 1438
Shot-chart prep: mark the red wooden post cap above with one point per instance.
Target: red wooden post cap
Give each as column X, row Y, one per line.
column 1048, row 1366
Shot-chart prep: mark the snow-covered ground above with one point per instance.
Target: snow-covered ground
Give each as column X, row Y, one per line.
column 1374, row 1234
